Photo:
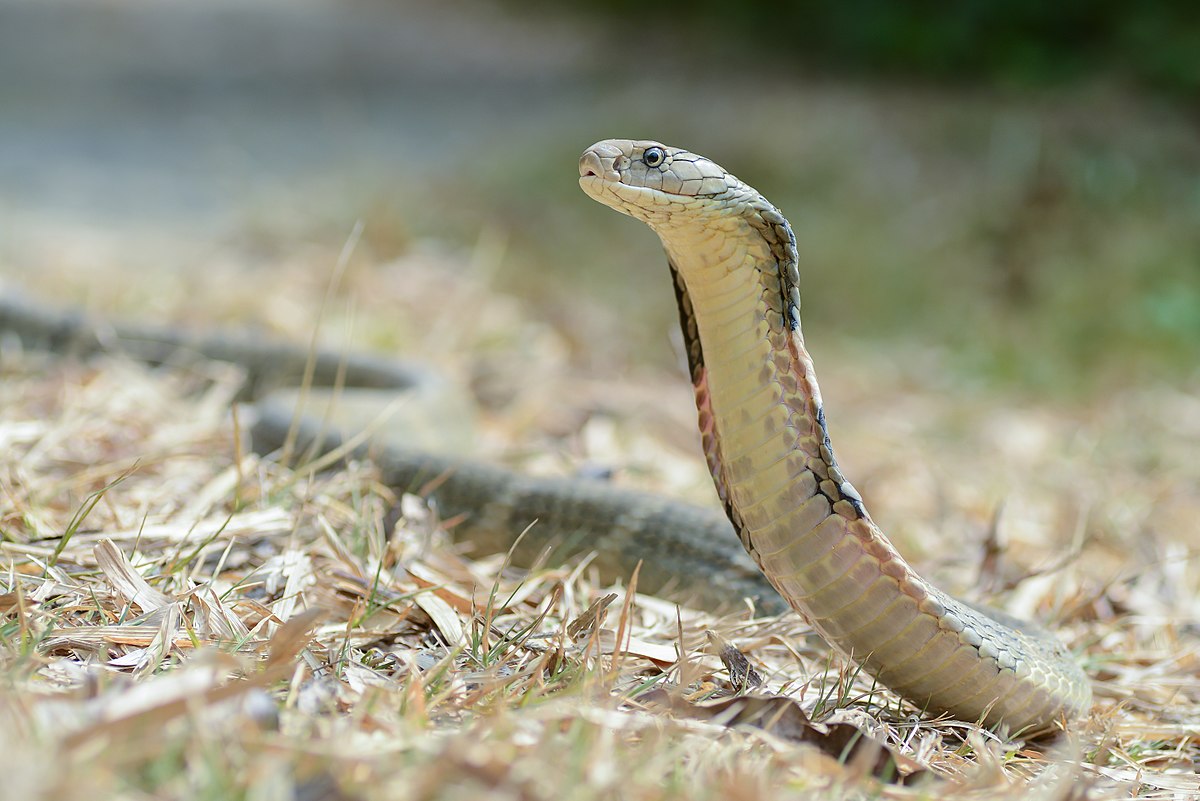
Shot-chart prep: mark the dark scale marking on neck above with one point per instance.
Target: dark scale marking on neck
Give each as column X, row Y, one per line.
column 793, row 317
column 777, row 233
column 825, row 434
column 845, row 490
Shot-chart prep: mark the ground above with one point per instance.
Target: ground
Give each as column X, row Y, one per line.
column 996, row 296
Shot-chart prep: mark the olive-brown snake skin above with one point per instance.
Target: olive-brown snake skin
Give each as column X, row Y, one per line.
column 733, row 257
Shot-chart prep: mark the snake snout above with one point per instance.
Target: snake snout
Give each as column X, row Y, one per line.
column 603, row 160
column 589, row 165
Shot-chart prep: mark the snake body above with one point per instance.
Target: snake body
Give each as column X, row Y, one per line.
column 734, row 261
column 565, row 517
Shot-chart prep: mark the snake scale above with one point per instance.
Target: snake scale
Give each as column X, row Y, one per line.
column 735, row 267
column 733, row 258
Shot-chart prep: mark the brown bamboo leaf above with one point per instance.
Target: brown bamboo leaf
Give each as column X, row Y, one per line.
column 584, row 624
column 443, row 616
column 658, row 653
column 125, row 580
column 742, row 674
column 783, row 717
column 293, row 637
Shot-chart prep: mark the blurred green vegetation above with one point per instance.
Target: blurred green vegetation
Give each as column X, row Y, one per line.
column 1020, row 42
column 987, row 183
column 994, row 184
column 1045, row 241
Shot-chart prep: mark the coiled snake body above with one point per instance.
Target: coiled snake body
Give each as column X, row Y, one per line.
column 734, row 262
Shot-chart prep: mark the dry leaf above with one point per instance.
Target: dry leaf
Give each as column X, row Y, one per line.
column 126, row 581
column 443, row 616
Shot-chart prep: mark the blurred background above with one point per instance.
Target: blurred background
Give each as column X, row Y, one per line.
column 1014, row 186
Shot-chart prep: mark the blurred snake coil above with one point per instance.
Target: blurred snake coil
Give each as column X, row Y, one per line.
column 734, row 262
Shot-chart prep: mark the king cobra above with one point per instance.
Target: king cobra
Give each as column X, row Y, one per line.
column 734, row 262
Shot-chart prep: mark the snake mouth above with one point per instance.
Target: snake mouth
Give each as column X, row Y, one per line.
column 634, row 201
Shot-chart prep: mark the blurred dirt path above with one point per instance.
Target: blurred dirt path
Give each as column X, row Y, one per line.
column 142, row 114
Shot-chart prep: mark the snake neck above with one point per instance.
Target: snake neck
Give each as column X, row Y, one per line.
column 761, row 419
column 733, row 257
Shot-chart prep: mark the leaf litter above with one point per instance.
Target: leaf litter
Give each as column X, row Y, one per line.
column 181, row 618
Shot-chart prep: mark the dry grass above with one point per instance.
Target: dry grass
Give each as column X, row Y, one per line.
column 183, row 619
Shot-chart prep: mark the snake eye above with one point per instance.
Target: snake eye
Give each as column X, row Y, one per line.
column 653, row 156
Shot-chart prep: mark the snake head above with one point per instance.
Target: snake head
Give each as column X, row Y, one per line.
column 652, row 181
